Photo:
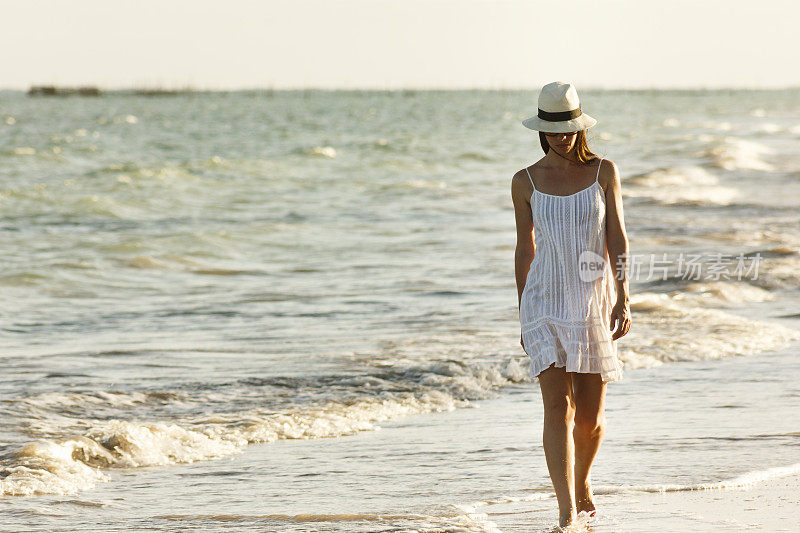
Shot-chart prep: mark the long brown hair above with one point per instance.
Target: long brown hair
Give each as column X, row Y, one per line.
column 584, row 155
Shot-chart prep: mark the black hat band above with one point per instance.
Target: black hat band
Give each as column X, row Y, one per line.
column 560, row 116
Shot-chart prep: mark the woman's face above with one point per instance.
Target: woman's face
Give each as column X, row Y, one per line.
column 561, row 142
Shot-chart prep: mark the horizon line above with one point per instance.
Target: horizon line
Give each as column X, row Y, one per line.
column 197, row 88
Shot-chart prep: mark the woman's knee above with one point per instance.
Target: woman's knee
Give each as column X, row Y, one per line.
column 556, row 386
column 558, row 408
column 590, row 424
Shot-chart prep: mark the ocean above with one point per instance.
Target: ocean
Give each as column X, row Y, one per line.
column 296, row 310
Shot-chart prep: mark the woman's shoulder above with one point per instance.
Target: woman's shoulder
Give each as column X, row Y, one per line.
column 523, row 173
column 607, row 173
column 520, row 183
column 606, row 165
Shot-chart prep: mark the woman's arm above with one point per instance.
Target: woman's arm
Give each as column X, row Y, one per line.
column 617, row 246
column 524, row 251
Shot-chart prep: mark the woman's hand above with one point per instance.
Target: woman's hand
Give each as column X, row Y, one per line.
column 621, row 318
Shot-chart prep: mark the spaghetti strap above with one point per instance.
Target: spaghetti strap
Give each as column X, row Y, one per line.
column 529, row 177
column 598, row 170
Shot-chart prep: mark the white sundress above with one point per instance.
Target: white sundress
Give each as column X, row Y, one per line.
column 569, row 291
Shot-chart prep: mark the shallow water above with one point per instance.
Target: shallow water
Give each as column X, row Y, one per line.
column 686, row 427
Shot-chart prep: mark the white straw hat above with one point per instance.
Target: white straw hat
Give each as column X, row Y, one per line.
column 559, row 110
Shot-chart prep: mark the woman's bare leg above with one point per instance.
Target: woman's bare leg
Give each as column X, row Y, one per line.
column 559, row 410
column 589, row 393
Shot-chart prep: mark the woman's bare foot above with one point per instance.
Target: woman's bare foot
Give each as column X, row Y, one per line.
column 584, row 500
column 566, row 519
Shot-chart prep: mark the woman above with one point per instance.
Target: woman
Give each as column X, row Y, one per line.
column 569, row 262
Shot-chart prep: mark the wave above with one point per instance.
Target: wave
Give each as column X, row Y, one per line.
column 687, row 325
column 88, row 433
column 779, row 266
column 743, row 480
column 318, row 151
column 772, row 268
column 682, row 185
column 83, row 434
column 733, row 153
column 61, row 465
column 475, row 156
column 454, row 522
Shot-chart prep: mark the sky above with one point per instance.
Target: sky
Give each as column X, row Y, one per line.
column 383, row 44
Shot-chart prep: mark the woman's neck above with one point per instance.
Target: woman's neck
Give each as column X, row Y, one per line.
column 562, row 161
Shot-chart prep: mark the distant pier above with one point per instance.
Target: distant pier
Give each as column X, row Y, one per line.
column 52, row 90
column 91, row 90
